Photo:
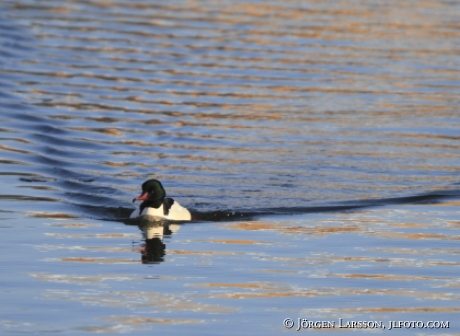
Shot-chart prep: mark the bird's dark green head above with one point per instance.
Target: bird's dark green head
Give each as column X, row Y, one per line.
column 152, row 190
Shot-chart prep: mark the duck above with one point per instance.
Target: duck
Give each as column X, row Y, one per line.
column 156, row 204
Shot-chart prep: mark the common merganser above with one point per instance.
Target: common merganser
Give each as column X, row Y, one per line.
column 155, row 203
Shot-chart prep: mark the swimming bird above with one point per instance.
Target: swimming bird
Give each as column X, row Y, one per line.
column 155, row 203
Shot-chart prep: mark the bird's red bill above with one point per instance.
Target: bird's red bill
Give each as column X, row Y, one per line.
column 142, row 197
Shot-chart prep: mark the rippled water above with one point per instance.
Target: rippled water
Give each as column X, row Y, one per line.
column 318, row 141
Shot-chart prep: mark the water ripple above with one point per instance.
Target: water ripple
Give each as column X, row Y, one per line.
column 311, row 112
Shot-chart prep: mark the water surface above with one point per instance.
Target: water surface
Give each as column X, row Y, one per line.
column 318, row 141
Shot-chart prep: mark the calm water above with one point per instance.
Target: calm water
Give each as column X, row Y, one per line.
column 318, row 140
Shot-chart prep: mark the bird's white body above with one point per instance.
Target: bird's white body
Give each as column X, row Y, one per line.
column 176, row 212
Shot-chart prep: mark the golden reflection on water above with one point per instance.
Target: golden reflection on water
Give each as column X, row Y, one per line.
column 143, row 299
column 99, row 260
column 53, row 215
column 299, row 292
column 84, row 236
column 145, row 320
column 397, row 310
column 74, row 225
column 283, row 228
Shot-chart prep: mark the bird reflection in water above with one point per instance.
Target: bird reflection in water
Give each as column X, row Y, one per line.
column 153, row 250
column 155, row 228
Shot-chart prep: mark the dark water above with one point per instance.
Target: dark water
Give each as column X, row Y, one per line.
column 318, row 141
